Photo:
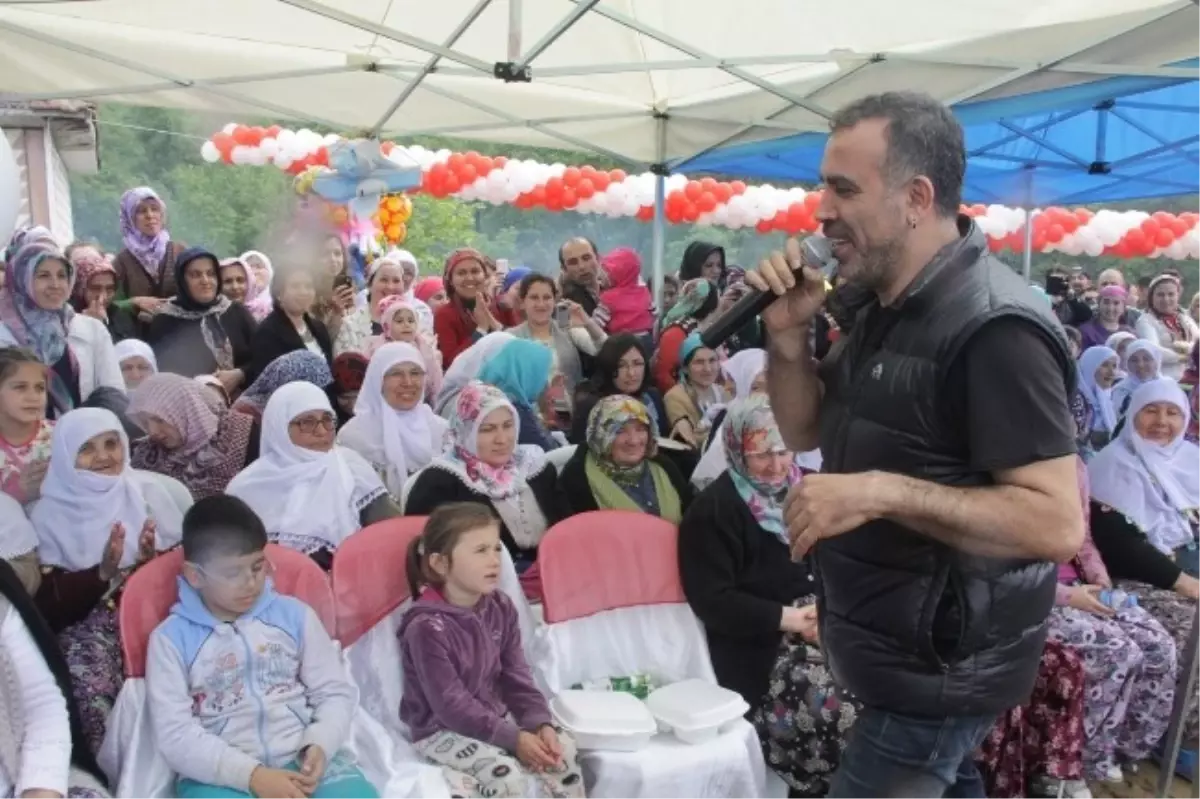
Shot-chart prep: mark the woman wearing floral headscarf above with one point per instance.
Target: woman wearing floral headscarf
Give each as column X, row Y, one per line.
column 486, row 465
column 146, row 266
column 470, row 314
column 757, row 604
column 35, row 314
column 95, row 292
column 199, row 331
column 697, row 300
column 190, row 437
column 620, row 467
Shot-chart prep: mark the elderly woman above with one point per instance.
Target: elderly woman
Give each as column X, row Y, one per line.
column 697, row 391
column 747, row 371
column 137, row 361
column 199, row 331
column 190, row 437
column 96, row 520
column 620, row 468
column 1167, row 325
column 35, row 314
column 580, row 337
column 1141, row 364
column 1145, row 488
column 485, row 464
column 311, row 493
column 393, row 428
column 298, row 365
column 469, row 314
column 96, row 289
column 146, row 272
column 740, row 579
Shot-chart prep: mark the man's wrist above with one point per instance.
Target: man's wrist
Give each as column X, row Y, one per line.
column 882, row 490
column 791, row 345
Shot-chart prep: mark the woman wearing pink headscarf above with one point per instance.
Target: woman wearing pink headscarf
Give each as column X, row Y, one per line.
column 95, row 290
column 146, row 266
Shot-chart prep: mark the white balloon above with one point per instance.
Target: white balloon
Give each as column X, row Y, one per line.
column 208, row 151
column 1176, row 250
column 283, row 162
column 269, row 147
column 1093, row 248
column 255, row 157
column 1071, row 245
column 240, row 155
column 230, row 128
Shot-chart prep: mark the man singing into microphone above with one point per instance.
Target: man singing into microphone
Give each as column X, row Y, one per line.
column 948, row 485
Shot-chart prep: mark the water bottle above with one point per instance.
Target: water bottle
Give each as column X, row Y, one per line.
column 1117, row 599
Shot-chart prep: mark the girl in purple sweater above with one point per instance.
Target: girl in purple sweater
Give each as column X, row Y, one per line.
column 470, row 702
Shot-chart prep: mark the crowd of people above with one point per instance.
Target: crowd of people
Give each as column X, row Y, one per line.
column 166, row 397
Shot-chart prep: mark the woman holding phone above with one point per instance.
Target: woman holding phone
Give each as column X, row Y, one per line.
column 565, row 329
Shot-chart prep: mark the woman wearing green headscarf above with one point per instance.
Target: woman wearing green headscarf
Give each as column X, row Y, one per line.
column 521, row 369
column 697, row 300
column 620, row 468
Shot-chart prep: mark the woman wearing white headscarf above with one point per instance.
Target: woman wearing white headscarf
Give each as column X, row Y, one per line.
column 393, row 428
column 466, row 368
column 258, row 297
column 137, row 361
column 1145, row 488
column 1141, row 363
column 311, row 493
column 1092, row 405
column 18, row 543
column 97, row 519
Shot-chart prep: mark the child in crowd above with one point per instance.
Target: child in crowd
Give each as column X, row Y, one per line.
column 25, row 432
column 464, row 671
column 401, row 321
column 629, row 302
column 247, row 692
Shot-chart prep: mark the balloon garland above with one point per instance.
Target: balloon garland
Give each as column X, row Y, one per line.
column 707, row 201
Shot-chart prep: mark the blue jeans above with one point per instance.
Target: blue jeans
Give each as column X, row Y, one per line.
column 342, row 779
column 893, row 755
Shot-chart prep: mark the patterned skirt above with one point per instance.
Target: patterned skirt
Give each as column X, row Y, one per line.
column 92, row 649
column 1175, row 613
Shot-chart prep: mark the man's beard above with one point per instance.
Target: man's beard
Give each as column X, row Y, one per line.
column 876, row 264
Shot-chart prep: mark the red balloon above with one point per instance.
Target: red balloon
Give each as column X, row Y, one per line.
column 257, row 134
column 812, row 200
column 570, row 198
column 978, row 209
column 439, row 172
column 485, row 164
column 780, row 220
column 224, row 144
column 554, row 190
column 467, row 173
column 673, row 215
column 690, row 212
column 1179, row 227
column 571, row 176
column 764, row 226
column 1191, row 217
column 675, row 202
column 1070, row 223
column 796, row 214
column 499, row 162
column 1162, row 218
column 587, row 171
column 1150, row 228
column 1083, row 215
column 692, row 190
column 585, row 188
column 455, row 161
column 243, row 136
column 1016, row 241
column 994, row 244
column 538, row 195
column 707, row 202
column 554, row 203
column 471, row 156
column 737, row 186
column 453, row 183
column 1055, row 233
column 708, row 184
column 600, row 180
column 616, row 175
column 1134, row 240
column 1165, row 237
column 274, row 131
column 645, row 213
column 723, row 192
column 1039, row 242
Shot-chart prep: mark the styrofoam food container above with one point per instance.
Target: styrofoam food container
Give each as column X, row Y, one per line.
column 695, row 710
column 604, row 719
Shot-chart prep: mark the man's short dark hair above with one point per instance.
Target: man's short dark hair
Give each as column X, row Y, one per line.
column 591, row 244
column 923, row 138
column 221, row 525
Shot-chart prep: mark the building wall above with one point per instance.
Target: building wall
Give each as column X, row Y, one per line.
column 16, row 140
column 62, row 223
column 45, row 189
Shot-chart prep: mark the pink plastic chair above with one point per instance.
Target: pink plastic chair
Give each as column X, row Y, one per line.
column 606, row 560
column 369, row 580
column 152, row 590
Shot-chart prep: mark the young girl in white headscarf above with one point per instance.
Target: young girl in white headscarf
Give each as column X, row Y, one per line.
column 410, row 321
column 310, row 492
column 392, row 427
column 97, row 519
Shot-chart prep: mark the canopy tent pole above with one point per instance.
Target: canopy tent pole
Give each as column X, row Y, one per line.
column 563, row 25
column 1185, row 689
column 514, row 29
column 660, row 196
column 1027, row 257
column 430, row 65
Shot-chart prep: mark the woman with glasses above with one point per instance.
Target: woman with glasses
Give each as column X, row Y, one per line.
column 310, row 492
column 622, row 367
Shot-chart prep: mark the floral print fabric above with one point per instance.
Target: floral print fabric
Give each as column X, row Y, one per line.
column 750, row 429
column 14, row 459
column 608, row 417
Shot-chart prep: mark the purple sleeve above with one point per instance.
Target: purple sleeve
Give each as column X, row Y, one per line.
column 517, row 687
column 453, row 705
column 1062, row 594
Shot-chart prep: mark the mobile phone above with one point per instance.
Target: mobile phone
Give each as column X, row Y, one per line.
column 1057, row 286
column 342, row 280
column 562, row 315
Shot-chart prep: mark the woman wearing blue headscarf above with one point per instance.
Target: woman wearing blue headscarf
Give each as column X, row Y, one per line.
column 697, row 391
column 521, row 369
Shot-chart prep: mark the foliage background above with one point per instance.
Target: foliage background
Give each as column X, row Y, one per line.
column 230, row 210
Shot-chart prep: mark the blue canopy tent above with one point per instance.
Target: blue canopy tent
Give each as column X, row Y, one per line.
column 1113, row 139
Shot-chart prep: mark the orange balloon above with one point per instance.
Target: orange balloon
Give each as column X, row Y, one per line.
column 393, row 204
column 393, row 231
column 404, row 212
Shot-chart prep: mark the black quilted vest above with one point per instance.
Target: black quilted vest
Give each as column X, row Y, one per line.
column 908, row 624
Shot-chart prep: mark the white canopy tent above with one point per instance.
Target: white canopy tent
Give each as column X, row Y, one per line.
column 647, row 82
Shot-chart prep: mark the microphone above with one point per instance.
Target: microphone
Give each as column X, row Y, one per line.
column 815, row 252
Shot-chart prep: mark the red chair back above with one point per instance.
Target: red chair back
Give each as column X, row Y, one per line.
column 606, row 560
column 369, row 580
column 152, row 590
